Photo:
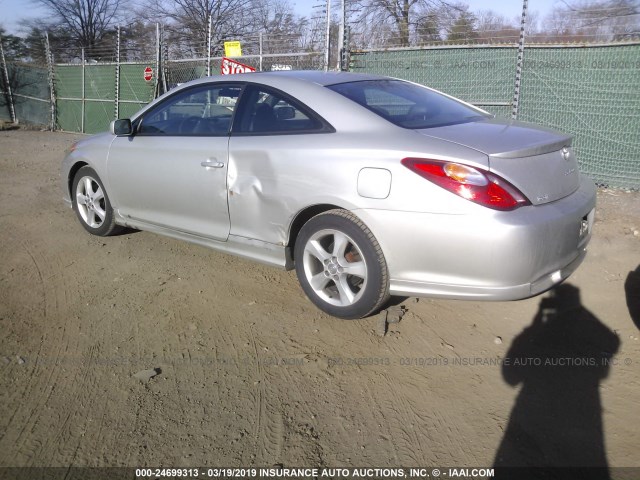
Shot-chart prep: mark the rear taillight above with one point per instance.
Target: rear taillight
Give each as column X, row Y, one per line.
column 479, row 186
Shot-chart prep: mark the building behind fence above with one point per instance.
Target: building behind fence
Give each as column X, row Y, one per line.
column 591, row 91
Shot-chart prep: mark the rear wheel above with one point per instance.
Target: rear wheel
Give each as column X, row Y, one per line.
column 340, row 265
column 91, row 203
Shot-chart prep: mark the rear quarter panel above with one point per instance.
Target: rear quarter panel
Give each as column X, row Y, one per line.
column 272, row 178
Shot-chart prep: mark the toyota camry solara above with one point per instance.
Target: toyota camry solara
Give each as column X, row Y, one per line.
column 366, row 185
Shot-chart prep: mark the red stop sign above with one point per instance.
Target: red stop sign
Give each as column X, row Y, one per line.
column 148, row 74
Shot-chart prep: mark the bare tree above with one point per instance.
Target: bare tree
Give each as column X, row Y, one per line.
column 495, row 28
column 401, row 16
column 187, row 21
column 135, row 41
column 284, row 31
column 588, row 20
column 14, row 47
column 85, row 21
column 429, row 28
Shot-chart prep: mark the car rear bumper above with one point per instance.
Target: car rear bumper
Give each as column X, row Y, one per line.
column 485, row 254
column 500, row 293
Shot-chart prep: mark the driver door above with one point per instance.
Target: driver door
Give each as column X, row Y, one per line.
column 172, row 172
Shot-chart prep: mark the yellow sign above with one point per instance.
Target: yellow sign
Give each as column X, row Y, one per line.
column 232, row 49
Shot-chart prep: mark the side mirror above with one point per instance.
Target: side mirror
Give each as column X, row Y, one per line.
column 285, row 113
column 121, row 127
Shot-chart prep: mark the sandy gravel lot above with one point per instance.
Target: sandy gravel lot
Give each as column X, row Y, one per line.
column 249, row 373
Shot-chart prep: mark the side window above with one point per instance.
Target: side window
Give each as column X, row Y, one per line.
column 200, row 111
column 267, row 111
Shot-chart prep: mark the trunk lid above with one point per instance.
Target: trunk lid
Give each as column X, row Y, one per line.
column 538, row 161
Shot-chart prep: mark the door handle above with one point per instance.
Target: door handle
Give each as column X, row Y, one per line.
column 212, row 164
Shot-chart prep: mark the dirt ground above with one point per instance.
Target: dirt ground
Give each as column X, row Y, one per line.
column 249, row 373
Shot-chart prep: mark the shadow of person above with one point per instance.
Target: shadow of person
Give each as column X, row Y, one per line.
column 632, row 293
column 556, row 422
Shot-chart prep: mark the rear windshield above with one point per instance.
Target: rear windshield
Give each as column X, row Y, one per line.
column 408, row 105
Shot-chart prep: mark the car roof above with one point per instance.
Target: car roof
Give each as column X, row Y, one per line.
column 319, row 77
column 305, row 85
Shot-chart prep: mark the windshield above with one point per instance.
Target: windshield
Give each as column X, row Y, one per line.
column 408, row 105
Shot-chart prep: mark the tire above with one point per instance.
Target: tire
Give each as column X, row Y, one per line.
column 91, row 203
column 340, row 265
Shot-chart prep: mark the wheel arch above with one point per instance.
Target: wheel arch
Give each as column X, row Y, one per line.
column 72, row 174
column 302, row 217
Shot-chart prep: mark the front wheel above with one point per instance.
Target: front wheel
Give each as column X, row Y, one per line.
column 91, row 203
column 340, row 265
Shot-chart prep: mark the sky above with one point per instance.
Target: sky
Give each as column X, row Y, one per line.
column 12, row 11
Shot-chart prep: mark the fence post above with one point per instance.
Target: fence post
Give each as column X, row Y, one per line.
column 83, row 93
column 260, row 46
column 519, row 63
column 344, row 53
column 209, row 47
column 165, row 62
column 327, row 41
column 156, row 83
column 116, row 113
column 52, row 93
column 8, row 93
column 341, row 30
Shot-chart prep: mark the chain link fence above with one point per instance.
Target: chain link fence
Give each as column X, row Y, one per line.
column 90, row 96
column 594, row 94
column 482, row 76
column 589, row 91
column 25, row 93
column 92, row 87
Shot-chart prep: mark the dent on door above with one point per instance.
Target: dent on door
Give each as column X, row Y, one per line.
column 257, row 204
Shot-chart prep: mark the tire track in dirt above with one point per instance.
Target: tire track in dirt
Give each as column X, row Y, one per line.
column 41, row 384
column 270, row 422
column 408, row 443
column 13, row 255
column 26, row 419
column 201, row 412
column 63, row 371
column 288, row 365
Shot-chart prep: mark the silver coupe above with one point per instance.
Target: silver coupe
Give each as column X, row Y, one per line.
column 368, row 186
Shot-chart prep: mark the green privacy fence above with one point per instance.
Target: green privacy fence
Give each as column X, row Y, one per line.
column 86, row 94
column 482, row 76
column 594, row 94
column 30, row 94
column 591, row 92
column 121, row 88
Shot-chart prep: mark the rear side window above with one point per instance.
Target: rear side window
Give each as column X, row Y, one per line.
column 267, row 111
column 408, row 105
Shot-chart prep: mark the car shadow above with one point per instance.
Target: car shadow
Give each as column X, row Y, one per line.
column 556, row 421
column 122, row 231
column 394, row 301
column 632, row 293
